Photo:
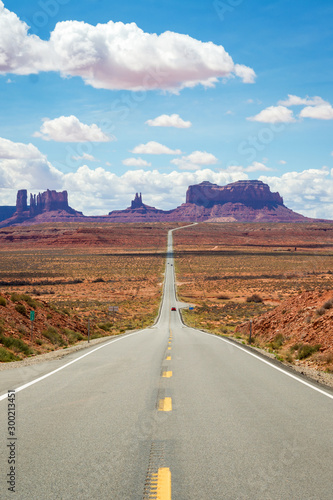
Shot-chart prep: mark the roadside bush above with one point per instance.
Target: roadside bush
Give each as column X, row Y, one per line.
column 277, row 342
column 306, row 350
column 20, row 308
column 72, row 336
column 14, row 343
column 3, row 302
column 7, row 356
column 53, row 336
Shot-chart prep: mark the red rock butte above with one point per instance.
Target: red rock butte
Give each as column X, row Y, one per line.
column 241, row 201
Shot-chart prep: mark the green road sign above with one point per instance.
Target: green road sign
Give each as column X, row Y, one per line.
column 32, row 315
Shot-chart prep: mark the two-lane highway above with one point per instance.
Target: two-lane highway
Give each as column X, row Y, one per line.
column 167, row 411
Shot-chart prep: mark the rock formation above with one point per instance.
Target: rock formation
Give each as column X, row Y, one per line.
column 48, row 202
column 241, row 201
column 49, row 205
column 253, row 194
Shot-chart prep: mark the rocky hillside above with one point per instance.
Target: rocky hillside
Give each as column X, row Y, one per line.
column 52, row 328
column 300, row 329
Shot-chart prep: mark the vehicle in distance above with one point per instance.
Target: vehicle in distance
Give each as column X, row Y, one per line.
column 173, row 309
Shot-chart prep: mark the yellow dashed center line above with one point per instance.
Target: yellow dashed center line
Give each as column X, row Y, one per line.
column 161, row 484
column 167, row 374
column 169, row 348
column 168, row 358
column 165, row 404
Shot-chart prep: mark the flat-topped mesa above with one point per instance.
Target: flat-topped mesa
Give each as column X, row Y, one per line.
column 254, row 194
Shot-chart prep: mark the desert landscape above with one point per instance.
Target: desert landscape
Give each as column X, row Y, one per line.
column 278, row 276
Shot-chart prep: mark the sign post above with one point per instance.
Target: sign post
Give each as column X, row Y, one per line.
column 88, row 331
column 250, row 331
column 32, row 319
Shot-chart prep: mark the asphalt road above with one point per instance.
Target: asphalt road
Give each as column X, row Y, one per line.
column 166, row 409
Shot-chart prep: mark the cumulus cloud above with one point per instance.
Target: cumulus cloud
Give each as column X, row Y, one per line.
column 70, row 129
column 245, row 73
column 294, row 100
column 321, row 112
column 98, row 191
column 24, row 166
column 274, row 114
column 169, row 121
column 309, row 192
column 116, row 55
column 255, row 166
column 195, row 160
column 154, row 148
column 136, row 162
column 85, row 156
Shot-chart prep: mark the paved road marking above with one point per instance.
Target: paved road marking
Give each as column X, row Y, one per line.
column 167, row 374
column 161, row 484
column 168, row 358
column 165, row 404
column 270, row 364
column 4, row 396
column 169, row 348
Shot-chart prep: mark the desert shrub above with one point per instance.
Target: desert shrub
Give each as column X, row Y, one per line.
column 39, row 342
column 53, row 336
column 72, row 336
column 20, row 308
column 328, row 304
column 15, row 297
column 223, row 297
column 277, row 342
column 99, row 280
column 254, row 298
column 7, row 356
column 105, row 326
column 14, row 343
column 3, row 302
column 306, row 350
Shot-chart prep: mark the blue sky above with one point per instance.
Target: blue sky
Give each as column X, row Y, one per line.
column 108, row 98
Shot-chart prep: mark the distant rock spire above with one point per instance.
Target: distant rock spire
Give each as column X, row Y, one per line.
column 137, row 202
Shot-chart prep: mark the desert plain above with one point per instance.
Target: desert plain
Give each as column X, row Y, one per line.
column 274, row 280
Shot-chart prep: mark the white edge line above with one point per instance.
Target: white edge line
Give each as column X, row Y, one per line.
column 295, row 377
column 4, row 396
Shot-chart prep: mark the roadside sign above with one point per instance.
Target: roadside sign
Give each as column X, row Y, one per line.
column 190, row 308
column 113, row 308
column 32, row 315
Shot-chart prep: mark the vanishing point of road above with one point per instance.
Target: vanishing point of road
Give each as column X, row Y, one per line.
column 166, row 412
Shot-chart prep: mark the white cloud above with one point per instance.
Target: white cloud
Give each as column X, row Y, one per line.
column 274, row 114
column 282, row 162
column 195, row 160
column 98, row 191
column 321, row 112
column 309, row 192
column 85, row 156
column 169, row 121
column 154, row 148
column 294, row 100
column 18, row 151
column 255, row 166
column 24, row 166
column 116, row 55
column 70, row 129
column 136, row 162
